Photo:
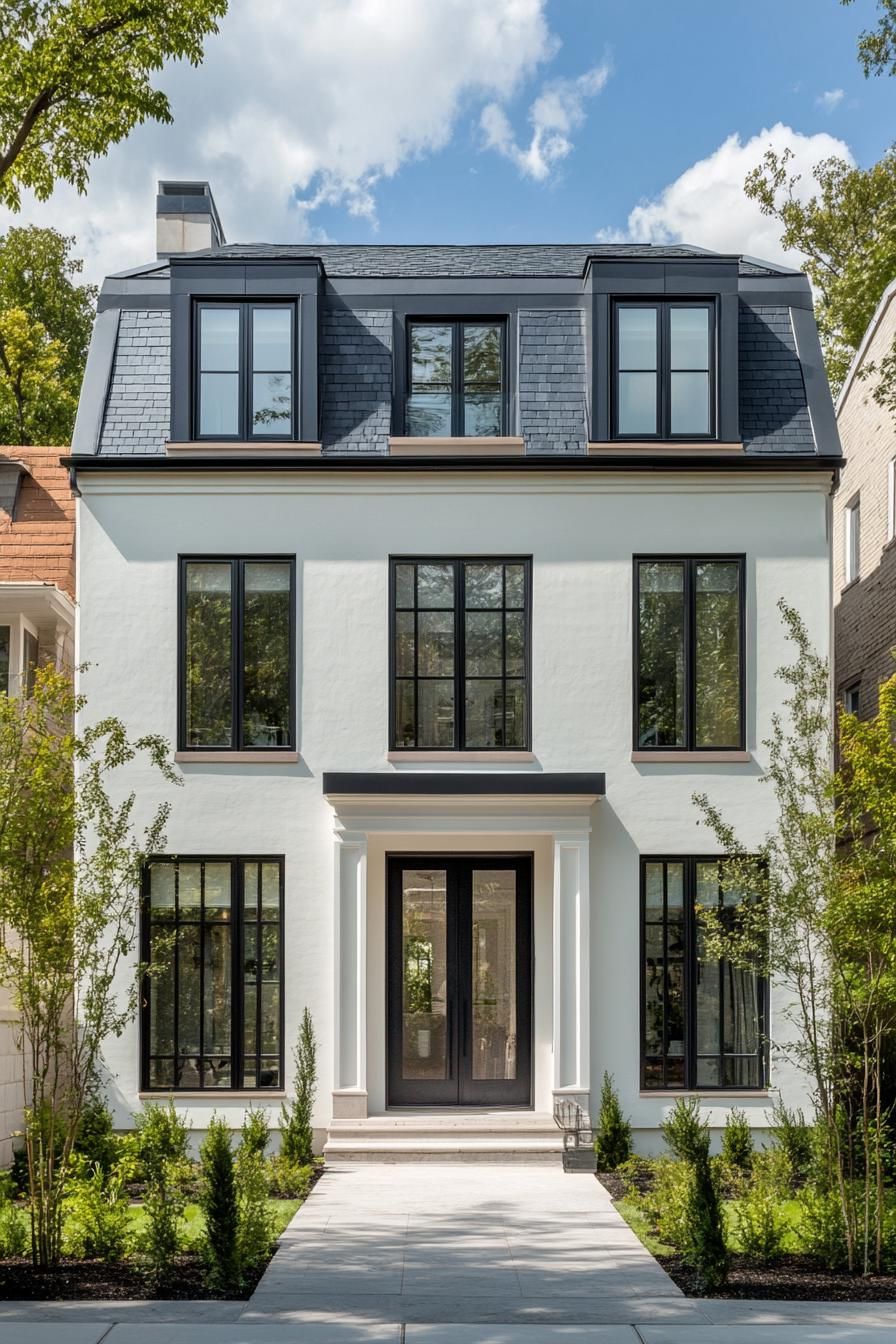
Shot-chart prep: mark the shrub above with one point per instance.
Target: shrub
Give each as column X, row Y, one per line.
column 613, row 1144
column 668, row 1204
column 760, row 1225
column 822, row 1234
column 289, row 1180
column 161, row 1137
column 296, row 1134
column 737, row 1142
column 13, row 1232
column 218, row 1200
column 794, row 1138
column 96, row 1215
column 637, row 1176
column 161, row 1155
column 255, row 1234
column 704, row 1250
column 96, row 1140
column 256, row 1132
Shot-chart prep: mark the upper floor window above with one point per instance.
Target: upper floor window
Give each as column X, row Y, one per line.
column 689, row 653
column 852, row 520
column 5, row 633
column 456, row 379
column 237, row 642
column 245, row 371
column 460, row 654
column 29, row 660
column 664, row 370
column 213, row 1011
column 702, row 1019
column 851, row 698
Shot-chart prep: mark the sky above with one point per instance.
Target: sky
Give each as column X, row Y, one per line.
column 377, row 121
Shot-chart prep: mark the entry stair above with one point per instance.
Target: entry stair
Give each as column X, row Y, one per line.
column 455, row 1135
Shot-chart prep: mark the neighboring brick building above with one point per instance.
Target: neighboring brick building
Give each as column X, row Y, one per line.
column 37, row 616
column 865, row 526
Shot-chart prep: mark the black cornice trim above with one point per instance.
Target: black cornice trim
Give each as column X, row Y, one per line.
column 528, row 784
column 507, row 466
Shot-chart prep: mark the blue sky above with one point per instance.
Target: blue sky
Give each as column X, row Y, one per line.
column 491, row 120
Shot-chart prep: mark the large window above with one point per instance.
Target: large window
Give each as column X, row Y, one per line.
column 664, row 383
column 689, row 653
column 456, row 379
column 852, row 540
column 245, row 366
column 703, row 1021
column 4, row 659
column 213, row 1000
column 237, row 642
column 460, row 654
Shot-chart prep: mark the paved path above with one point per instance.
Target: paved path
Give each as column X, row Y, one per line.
column 430, row 1254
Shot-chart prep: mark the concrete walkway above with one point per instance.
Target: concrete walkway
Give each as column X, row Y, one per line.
column 472, row 1254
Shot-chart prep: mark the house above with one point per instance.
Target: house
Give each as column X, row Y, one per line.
column 865, row 525
column 451, row 573
column 37, row 621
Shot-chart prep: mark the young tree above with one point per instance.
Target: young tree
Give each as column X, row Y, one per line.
column 846, row 234
column 76, row 78
column 46, row 318
column 70, row 863
column 296, row 1133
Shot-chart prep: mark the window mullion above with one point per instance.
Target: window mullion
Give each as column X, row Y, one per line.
column 457, row 390
column 690, row 655
column 201, row 942
column 237, row 960
column 237, row 580
column 663, row 371
column 690, row 974
column 460, row 655
column 244, row 370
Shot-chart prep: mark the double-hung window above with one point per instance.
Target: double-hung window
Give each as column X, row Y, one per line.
column 689, row 653
column 237, row 641
column 244, row 371
column 456, row 379
column 212, row 1004
column 460, row 654
column 703, row 1020
column 664, row 369
column 852, row 540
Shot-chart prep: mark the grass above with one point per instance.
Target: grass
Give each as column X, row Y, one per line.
column 790, row 1209
column 282, row 1209
column 637, row 1221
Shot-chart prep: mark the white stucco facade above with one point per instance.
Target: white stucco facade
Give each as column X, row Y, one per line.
column 582, row 531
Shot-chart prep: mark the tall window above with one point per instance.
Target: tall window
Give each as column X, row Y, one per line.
column 664, row 370
column 852, row 540
column 460, row 637
column 213, row 1001
column 456, row 382
column 689, row 654
column 237, row 659
column 703, row 1021
column 29, row 661
column 245, row 363
column 891, row 499
column 4, row 659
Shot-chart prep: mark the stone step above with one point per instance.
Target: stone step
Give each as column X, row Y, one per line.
column 417, row 1149
column 447, row 1136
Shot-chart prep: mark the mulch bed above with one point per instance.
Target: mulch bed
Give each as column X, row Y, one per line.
column 91, row 1280
column 793, row 1277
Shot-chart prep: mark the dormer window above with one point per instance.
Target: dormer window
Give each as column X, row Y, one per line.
column 456, row 380
column 664, row 369
column 245, row 371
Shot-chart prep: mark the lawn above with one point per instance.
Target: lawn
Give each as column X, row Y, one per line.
column 790, row 1210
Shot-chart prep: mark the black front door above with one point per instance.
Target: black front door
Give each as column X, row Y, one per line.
column 460, row 981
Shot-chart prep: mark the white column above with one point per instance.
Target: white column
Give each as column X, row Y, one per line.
column 572, row 997
column 350, row 978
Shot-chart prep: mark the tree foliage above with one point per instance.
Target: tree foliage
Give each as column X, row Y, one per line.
column 296, row 1132
column 70, row 863
column 877, row 46
column 76, row 78
column 846, row 235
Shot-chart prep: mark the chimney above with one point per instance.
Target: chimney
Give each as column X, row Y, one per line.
column 186, row 219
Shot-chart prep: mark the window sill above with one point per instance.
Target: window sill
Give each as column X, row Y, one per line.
column 853, row 583
column 208, row 448
column 236, row 757
column 709, row 1094
column 668, row 447
column 461, row 757
column 211, row 1092
column 691, row 757
column 460, row 447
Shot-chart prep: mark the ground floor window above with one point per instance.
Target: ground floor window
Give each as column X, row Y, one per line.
column 212, row 1006
column 703, row 1021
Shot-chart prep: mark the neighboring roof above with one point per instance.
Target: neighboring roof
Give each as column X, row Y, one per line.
column 496, row 260
column 37, row 544
column 870, row 333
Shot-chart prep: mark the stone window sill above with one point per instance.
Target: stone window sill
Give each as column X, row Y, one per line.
column 208, row 448
column 691, row 757
column 211, row 1094
column 460, row 757
column 853, row 583
column 236, row 757
column 709, row 1095
column 507, row 446
column 668, row 447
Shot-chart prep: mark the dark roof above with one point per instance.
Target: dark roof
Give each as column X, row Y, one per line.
column 508, row 260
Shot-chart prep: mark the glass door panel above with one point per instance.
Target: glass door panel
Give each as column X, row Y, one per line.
column 494, row 974
column 424, row 959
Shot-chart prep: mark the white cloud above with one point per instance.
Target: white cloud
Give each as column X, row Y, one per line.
column 557, row 111
column 706, row 205
column 303, row 103
column 830, row 100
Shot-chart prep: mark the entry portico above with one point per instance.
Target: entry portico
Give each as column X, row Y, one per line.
column 525, row 816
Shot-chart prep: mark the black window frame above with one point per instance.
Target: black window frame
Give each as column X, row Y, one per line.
column 245, row 306
column 459, row 561
column 663, row 307
column 690, row 960
column 237, row 590
column 690, row 563
column 237, row 949
column 457, row 325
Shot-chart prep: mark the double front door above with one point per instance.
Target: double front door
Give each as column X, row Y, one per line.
column 460, row 981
